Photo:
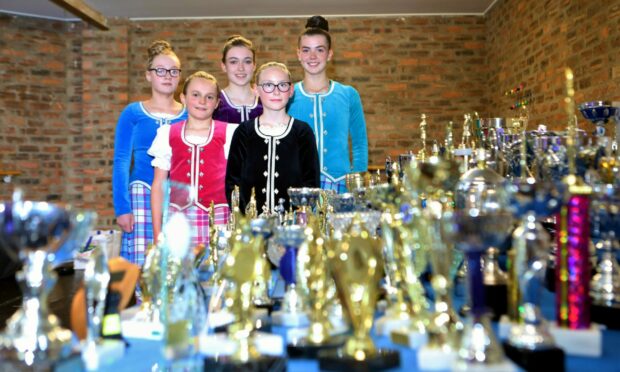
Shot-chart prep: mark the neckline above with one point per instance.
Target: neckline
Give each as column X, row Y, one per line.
column 231, row 104
column 149, row 114
column 289, row 125
column 332, row 84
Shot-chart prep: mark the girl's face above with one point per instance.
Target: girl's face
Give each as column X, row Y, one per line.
column 166, row 84
column 239, row 65
column 278, row 80
column 201, row 98
column 313, row 53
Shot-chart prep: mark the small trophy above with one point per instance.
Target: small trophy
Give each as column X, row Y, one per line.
column 355, row 264
column 318, row 335
column 242, row 348
column 40, row 235
column 293, row 312
column 262, row 227
column 422, row 152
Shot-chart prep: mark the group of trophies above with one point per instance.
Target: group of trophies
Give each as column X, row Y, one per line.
column 379, row 260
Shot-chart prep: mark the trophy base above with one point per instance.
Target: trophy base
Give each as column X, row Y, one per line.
column 579, row 342
column 334, row 360
column 505, row 366
column 496, row 300
column 303, row 348
column 134, row 327
column 260, row 318
column 12, row 363
column 289, row 319
column 105, row 352
column 549, row 359
column 294, row 334
column 386, row 324
column 263, row 363
column 220, row 344
column 607, row 315
column 503, row 327
column 408, row 338
column 435, row 359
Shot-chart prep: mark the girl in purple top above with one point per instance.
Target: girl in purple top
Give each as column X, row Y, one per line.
column 238, row 101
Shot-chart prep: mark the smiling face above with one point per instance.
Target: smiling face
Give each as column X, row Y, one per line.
column 166, row 84
column 239, row 65
column 201, row 98
column 313, row 53
column 277, row 99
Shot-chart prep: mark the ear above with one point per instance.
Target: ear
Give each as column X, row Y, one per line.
column 330, row 54
column 147, row 75
column 182, row 96
column 291, row 91
column 223, row 66
column 298, row 55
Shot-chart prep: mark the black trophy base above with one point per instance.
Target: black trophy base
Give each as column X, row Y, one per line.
column 536, row 360
column 263, row 363
column 305, row 349
column 334, row 360
column 607, row 315
column 496, row 300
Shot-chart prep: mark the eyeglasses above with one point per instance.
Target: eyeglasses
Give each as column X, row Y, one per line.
column 161, row 72
column 283, row 86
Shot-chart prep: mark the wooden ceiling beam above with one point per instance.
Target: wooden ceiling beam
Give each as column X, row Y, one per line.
column 85, row 12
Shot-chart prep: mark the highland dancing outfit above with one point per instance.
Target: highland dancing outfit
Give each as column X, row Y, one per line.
column 271, row 160
column 333, row 117
column 132, row 174
column 228, row 112
column 197, row 170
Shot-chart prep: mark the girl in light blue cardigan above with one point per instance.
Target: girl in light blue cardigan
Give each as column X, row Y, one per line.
column 333, row 110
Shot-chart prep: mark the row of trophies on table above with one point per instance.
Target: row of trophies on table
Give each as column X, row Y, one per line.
column 339, row 253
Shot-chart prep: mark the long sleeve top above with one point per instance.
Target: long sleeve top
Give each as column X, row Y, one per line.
column 334, row 116
column 271, row 163
column 135, row 131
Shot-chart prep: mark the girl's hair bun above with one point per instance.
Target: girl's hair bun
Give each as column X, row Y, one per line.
column 317, row 21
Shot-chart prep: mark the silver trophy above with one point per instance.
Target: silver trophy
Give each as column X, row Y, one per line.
column 39, row 235
column 304, row 198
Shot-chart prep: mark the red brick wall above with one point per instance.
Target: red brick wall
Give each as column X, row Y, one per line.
column 532, row 41
column 63, row 85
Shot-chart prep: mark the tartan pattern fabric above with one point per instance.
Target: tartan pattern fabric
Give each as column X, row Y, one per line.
column 133, row 244
column 198, row 219
column 338, row 186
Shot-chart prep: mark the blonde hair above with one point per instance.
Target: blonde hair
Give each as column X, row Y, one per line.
column 156, row 48
column 267, row 65
column 200, row 75
column 238, row 41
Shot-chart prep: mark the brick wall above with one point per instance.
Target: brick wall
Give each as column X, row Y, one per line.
column 532, row 41
column 64, row 85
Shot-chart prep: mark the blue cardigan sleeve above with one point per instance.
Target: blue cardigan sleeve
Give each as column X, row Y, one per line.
column 123, row 149
column 357, row 130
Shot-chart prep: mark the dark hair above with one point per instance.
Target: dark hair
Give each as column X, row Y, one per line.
column 317, row 25
column 238, row 41
column 201, row 75
column 156, row 48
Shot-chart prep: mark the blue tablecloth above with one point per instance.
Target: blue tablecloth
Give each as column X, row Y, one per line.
column 142, row 355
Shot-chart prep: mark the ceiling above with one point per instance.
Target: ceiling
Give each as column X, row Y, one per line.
column 149, row 9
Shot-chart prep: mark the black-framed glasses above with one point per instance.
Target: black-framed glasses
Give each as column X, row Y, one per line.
column 283, row 86
column 161, row 72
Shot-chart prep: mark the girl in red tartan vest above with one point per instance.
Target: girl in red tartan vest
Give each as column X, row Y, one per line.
column 193, row 152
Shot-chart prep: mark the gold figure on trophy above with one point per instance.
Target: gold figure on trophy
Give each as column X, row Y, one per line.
column 356, row 266
column 422, row 151
column 251, row 210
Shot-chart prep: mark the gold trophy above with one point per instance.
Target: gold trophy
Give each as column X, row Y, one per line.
column 356, row 265
column 318, row 334
column 422, row 152
column 242, row 348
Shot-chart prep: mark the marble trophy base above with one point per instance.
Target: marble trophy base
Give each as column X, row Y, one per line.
column 303, row 348
column 607, row 315
column 104, row 353
column 133, row 326
column 435, row 358
column 260, row 318
column 10, row 362
column 549, row 359
column 408, row 337
column 496, row 300
column 505, row 366
column 335, row 360
column 264, row 363
column 387, row 323
column 290, row 319
column 219, row 345
column 579, row 342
